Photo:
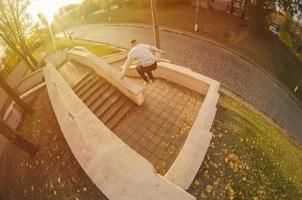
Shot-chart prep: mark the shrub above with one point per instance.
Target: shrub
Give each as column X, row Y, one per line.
column 286, row 38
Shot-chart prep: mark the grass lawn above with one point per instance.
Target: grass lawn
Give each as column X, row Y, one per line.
column 262, row 48
column 248, row 159
column 61, row 44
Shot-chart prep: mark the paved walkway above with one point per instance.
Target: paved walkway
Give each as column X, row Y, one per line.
column 203, row 57
column 158, row 129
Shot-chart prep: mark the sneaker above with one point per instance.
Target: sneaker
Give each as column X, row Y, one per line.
column 151, row 81
column 146, row 83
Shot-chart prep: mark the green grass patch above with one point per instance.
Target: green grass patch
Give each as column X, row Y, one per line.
column 248, row 158
column 61, row 44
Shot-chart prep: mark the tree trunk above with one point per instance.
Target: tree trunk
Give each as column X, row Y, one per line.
column 17, row 51
column 30, row 65
column 17, row 140
column 32, row 59
column 15, row 96
column 28, row 54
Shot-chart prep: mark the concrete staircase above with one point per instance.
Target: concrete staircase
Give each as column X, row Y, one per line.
column 104, row 100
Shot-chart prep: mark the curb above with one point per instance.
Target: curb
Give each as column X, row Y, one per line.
column 199, row 36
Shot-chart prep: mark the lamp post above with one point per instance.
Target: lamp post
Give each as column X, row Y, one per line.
column 45, row 23
column 197, row 21
column 155, row 23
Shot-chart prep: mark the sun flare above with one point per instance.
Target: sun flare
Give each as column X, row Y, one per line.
column 49, row 7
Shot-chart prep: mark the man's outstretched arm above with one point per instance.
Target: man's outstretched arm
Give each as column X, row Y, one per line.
column 126, row 65
column 157, row 50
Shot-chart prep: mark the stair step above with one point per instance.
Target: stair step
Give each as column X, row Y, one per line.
column 106, row 116
column 86, row 87
column 90, row 102
column 99, row 101
column 108, row 103
column 92, row 89
column 120, row 114
column 85, row 80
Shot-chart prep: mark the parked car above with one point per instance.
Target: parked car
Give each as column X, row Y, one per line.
column 275, row 28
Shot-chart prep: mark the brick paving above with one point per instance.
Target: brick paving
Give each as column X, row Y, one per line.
column 158, row 129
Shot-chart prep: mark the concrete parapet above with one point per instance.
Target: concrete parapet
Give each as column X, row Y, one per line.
column 28, row 87
column 30, row 81
column 187, row 163
column 126, row 86
column 13, row 114
column 116, row 169
column 57, row 59
column 115, row 57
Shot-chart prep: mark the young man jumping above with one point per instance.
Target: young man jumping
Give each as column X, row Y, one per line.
column 144, row 54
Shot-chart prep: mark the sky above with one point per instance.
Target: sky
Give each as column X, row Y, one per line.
column 48, row 7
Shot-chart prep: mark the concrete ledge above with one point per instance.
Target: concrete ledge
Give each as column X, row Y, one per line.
column 126, row 86
column 187, row 163
column 12, row 79
column 13, row 114
column 73, row 74
column 115, row 57
column 30, row 81
column 28, row 88
column 57, row 59
column 117, row 170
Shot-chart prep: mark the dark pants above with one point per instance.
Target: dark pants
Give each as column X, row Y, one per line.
column 148, row 70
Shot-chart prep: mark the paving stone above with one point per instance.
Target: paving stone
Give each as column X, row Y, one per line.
column 153, row 159
column 156, row 127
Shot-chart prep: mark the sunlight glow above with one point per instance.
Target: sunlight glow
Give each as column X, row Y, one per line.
column 48, row 7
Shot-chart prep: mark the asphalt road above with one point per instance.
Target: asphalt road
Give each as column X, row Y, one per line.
column 248, row 81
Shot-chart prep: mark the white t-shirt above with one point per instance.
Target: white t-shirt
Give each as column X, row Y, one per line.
column 143, row 53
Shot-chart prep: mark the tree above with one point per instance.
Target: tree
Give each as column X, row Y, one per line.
column 14, row 96
column 15, row 25
column 90, row 6
column 59, row 26
column 16, row 139
column 258, row 11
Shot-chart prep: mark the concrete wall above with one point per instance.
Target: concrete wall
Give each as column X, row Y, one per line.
column 188, row 162
column 115, row 57
column 31, row 81
column 3, row 98
column 13, row 80
column 116, row 169
column 28, row 89
column 17, row 74
column 57, row 59
column 126, row 86
column 13, row 115
column 75, row 117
